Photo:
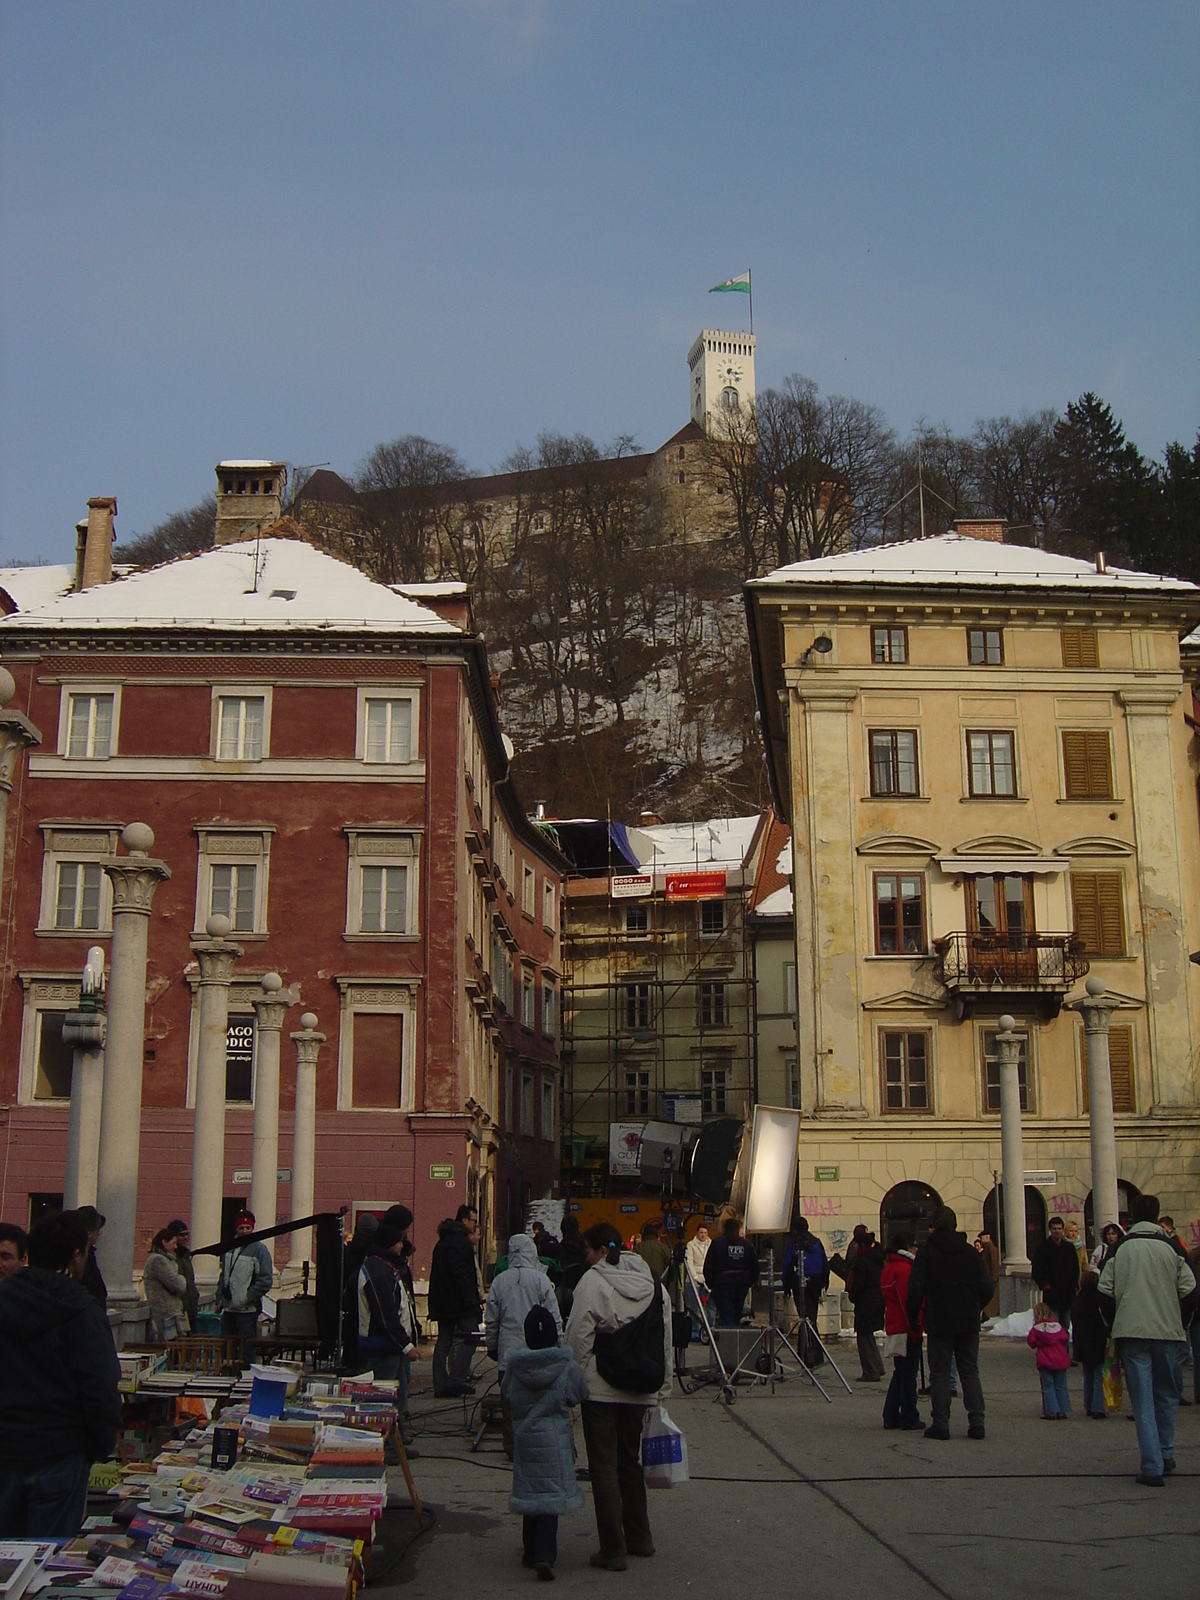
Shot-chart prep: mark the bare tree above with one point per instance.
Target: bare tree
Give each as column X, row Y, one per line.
column 181, row 534
column 1017, row 474
column 408, row 505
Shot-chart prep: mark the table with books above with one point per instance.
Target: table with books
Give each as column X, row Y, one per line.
column 276, row 1496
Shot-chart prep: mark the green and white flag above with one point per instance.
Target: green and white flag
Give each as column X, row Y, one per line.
column 738, row 285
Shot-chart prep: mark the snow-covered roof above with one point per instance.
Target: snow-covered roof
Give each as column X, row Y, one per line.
column 248, row 466
column 670, row 846
column 432, row 591
column 298, row 589
column 35, row 586
column 958, row 560
column 776, row 904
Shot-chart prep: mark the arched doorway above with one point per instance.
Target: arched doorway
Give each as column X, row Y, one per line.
column 1035, row 1219
column 907, row 1208
column 1126, row 1193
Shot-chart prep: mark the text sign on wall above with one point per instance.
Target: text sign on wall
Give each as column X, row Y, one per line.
column 1037, row 1179
column 695, row 885
column 624, row 1148
column 826, row 1174
column 631, row 885
column 441, row 1172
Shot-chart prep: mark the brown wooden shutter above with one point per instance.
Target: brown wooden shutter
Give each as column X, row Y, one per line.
column 1099, row 764
column 1084, row 900
column 1079, row 647
column 1075, row 765
column 1120, row 1056
column 1110, row 913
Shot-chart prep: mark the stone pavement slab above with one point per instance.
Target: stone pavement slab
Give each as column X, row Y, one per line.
column 791, row 1496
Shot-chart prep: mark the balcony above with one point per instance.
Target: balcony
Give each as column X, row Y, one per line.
column 990, row 970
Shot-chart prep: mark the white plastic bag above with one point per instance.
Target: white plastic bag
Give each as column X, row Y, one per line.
column 664, row 1451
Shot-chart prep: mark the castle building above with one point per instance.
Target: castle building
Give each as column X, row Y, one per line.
column 985, row 756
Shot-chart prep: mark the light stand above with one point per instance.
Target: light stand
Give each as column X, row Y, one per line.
column 808, row 1328
column 698, row 1382
column 769, row 1340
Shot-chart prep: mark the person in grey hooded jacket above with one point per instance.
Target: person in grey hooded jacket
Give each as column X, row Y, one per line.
column 513, row 1295
column 541, row 1382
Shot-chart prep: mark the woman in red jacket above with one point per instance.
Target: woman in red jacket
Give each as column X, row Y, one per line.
column 902, row 1341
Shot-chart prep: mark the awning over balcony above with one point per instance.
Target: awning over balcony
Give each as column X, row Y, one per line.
column 991, row 866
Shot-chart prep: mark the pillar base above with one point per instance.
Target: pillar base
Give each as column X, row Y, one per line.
column 128, row 1317
column 1016, row 1291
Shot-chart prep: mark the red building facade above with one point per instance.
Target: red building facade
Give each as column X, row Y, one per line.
column 321, row 761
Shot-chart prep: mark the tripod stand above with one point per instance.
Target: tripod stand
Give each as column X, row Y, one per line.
column 808, row 1328
column 769, row 1340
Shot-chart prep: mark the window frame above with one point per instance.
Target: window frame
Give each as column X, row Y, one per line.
column 636, row 1096
column 883, row 633
column 639, row 909
column 984, row 632
column 549, row 905
column 376, row 845
column 235, row 870
column 528, row 1103
column 894, row 735
column 383, row 691
column 906, row 1108
column 549, row 1007
column 1029, row 1100
column 54, row 992
column 898, row 877
column 712, row 1091
column 705, row 911
column 712, row 997
column 991, row 735
column 233, row 844
column 549, row 1134
column 528, row 891
column 242, row 692
column 638, row 1005
column 82, row 688
column 1092, row 739
column 381, row 997
column 84, row 844
column 528, row 999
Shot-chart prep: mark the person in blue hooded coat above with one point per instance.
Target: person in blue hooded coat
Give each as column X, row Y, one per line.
column 541, row 1383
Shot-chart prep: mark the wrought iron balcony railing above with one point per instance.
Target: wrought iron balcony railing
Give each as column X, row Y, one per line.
column 1010, row 961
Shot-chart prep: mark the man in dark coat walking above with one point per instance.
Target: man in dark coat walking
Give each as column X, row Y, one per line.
column 59, row 1405
column 949, row 1287
column 455, row 1306
column 1055, row 1270
column 867, row 1299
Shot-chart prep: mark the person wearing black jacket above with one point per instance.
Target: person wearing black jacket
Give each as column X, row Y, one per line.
column 59, row 1405
column 1089, row 1336
column 455, row 1306
column 1055, row 1270
column 92, row 1280
column 730, row 1270
column 867, row 1299
column 949, row 1287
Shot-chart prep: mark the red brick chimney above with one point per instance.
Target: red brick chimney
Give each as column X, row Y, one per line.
column 981, row 528
column 94, row 542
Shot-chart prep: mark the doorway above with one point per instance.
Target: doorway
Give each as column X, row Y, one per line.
column 1126, row 1194
column 907, row 1208
column 1035, row 1219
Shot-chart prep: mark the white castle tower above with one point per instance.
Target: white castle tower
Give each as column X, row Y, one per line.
column 722, row 375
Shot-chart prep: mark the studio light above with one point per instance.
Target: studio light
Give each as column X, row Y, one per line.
column 774, row 1152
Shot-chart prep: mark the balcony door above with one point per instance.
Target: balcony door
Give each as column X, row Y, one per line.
column 1000, row 922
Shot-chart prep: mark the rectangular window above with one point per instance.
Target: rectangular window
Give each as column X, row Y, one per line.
column 55, row 1060
column 527, row 1106
column 549, row 1009
column 713, row 1084
column 548, row 1109
column 1120, row 1063
column 899, row 914
column 527, row 999
column 792, row 1068
column 905, row 1071
column 549, row 907
column 378, row 1060
column 637, row 1007
column 637, row 1092
column 1079, row 647
column 528, row 890
column 991, row 1071
column 1098, row 913
column 232, row 895
column 1087, row 765
column 239, row 1061
column 893, row 762
column 712, row 916
column 77, row 896
column 789, row 988
column 384, row 900
column 713, row 1010
column 240, row 721
column 389, row 731
column 89, row 732
column 889, row 644
column 1001, row 906
column 992, row 766
column 985, row 647
column 637, row 919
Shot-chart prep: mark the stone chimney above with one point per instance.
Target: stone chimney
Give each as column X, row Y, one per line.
column 991, row 528
column 94, row 542
column 249, row 498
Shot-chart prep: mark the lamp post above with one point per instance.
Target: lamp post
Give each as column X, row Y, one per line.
column 1096, row 1012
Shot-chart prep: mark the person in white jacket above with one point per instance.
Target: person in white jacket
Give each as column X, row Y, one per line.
column 514, row 1293
column 617, row 1289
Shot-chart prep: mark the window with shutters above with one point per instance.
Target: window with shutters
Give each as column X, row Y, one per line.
column 1087, row 764
column 1098, row 913
column 1120, row 1061
column 1079, row 647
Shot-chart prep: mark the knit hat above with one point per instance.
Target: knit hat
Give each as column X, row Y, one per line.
column 399, row 1217
column 176, row 1229
column 540, row 1332
column 384, row 1238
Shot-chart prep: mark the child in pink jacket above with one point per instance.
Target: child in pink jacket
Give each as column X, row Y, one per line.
column 1050, row 1340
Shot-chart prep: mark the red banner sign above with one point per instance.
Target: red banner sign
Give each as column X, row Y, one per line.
column 695, row 885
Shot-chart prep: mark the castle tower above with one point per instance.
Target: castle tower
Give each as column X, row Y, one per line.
column 249, row 498
column 722, row 375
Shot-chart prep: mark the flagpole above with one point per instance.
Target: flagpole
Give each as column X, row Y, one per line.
column 750, row 281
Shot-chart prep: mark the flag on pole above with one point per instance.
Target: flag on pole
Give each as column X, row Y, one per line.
column 738, row 285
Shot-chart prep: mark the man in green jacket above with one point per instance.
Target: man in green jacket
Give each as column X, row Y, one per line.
column 1148, row 1284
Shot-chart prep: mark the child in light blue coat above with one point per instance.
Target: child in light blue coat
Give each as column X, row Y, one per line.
column 541, row 1383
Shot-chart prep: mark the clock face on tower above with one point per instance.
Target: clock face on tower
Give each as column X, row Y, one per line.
column 731, row 373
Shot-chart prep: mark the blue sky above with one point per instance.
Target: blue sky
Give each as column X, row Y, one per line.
column 297, row 230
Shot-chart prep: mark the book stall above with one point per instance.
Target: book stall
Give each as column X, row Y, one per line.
column 276, row 1492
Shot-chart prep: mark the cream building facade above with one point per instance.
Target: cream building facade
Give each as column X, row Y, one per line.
column 985, row 758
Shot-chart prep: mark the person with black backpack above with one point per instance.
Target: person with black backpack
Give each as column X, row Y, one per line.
column 619, row 1332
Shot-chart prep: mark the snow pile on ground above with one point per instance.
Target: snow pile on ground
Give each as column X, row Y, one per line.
column 1016, row 1326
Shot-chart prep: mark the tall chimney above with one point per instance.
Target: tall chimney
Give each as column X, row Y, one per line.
column 981, row 528
column 249, row 498
column 97, row 543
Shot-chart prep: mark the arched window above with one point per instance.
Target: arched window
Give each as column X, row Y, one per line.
column 1035, row 1219
column 907, row 1208
column 729, row 399
column 1127, row 1193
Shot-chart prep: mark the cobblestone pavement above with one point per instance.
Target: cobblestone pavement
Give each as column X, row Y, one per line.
column 793, row 1496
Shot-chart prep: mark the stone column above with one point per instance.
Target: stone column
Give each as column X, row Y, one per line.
column 1096, row 1012
column 1012, row 1151
column 85, row 1029
column 215, row 957
column 308, row 1043
column 134, row 879
column 17, row 733
column 264, row 1158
